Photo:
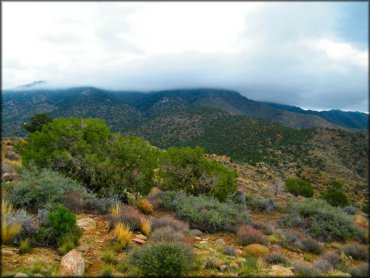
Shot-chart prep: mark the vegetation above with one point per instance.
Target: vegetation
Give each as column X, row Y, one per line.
column 336, row 198
column 203, row 212
column 162, row 259
column 123, row 234
column 247, row 235
column 357, row 252
column 37, row 122
column 145, row 206
column 299, row 187
column 320, row 220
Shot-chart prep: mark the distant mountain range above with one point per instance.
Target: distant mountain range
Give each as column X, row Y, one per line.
column 124, row 110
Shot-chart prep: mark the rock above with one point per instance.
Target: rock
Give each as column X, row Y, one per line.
column 223, row 267
column 198, row 238
column 278, row 270
column 257, row 250
column 239, row 252
column 88, row 224
column 20, row 274
column 142, row 237
column 196, row 232
column 234, row 265
column 138, row 240
column 72, row 264
column 6, row 252
column 220, row 241
column 9, row 176
column 299, row 244
column 276, row 247
column 239, row 197
column 240, row 261
column 84, row 248
column 11, row 155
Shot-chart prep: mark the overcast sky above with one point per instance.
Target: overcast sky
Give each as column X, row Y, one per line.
column 313, row 55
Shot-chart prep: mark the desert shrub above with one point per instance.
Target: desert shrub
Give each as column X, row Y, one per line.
column 361, row 270
column 335, row 198
column 365, row 208
column 145, row 206
column 246, row 235
column 42, row 217
column 109, row 257
column 239, row 197
column 320, row 220
column 332, row 257
column 28, row 228
column 213, row 263
column 107, row 272
column 250, row 267
column 128, row 215
column 36, row 122
column 323, row 266
column 305, row 269
column 275, row 258
column 356, row 251
column 204, row 212
column 256, row 203
column 299, row 187
column 61, row 227
column 266, row 229
column 73, row 201
column 162, row 259
column 311, row 245
column 166, row 234
column 256, row 250
column 189, row 170
column 145, row 226
column 24, row 246
column 351, row 210
column 42, row 189
column 123, row 234
column 229, row 250
column 66, row 246
column 169, row 221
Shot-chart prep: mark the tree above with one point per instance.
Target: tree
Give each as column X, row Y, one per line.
column 37, row 122
column 299, row 187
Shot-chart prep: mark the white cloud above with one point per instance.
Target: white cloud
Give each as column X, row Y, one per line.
column 284, row 52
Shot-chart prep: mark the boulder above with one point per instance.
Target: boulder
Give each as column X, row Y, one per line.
column 220, row 241
column 278, row 270
column 138, row 240
column 196, row 232
column 9, row 176
column 72, row 264
column 88, row 224
column 142, row 237
column 11, row 155
column 239, row 197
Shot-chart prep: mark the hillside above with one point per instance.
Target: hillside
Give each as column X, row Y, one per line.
column 123, row 110
column 319, row 155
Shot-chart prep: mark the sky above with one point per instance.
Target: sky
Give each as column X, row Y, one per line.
column 309, row 54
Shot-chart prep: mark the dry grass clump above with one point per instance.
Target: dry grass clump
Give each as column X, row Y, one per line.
column 145, row 226
column 123, row 234
column 8, row 229
column 247, row 235
column 126, row 214
column 145, row 206
column 256, row 250
column 115, row 210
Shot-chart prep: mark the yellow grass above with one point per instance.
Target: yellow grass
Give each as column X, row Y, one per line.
column 145, row 226
column 8, row 232
column 115, row 209
column 123, row 233
column 6, row 208
column 145, row 206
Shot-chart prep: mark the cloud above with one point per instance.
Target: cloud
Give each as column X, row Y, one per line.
column 293, row 53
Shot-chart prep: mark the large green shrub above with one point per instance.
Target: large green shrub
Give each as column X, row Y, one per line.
column 36, row 122
column 320, row 220
column 187, row 169
column 204, row 212
column 299, row 187
column 336, row 198
column 172, row 259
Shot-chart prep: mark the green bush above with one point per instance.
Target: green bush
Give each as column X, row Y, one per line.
column 60, row 228
column 299, row 187
column 356, row 251
column 37, row 122
column 335, row 198
column 320, row 220
column 162, row 259
column 204, row 212
column 188, row 169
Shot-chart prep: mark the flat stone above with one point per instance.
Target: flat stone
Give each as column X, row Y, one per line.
column 20, row 274
column 88, row 224
column 142, row 237
column 223, row 267
column 7, row 252
column 138, row 240
column 198, row 238
column 278, row 270
column 203, row 242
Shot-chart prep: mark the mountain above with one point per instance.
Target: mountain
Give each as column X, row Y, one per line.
column 356, row 120
column 122, row 110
